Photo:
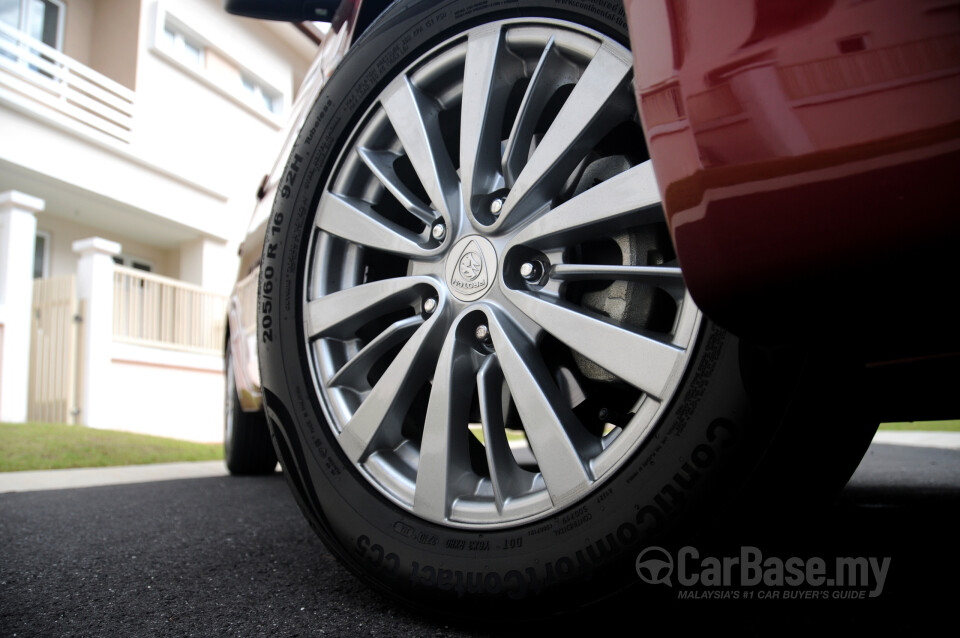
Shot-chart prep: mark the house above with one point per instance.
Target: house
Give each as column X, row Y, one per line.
column 133, row 134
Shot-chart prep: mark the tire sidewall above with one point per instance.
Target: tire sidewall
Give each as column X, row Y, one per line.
column 692, row 455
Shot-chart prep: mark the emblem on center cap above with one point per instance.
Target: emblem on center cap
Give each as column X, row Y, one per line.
column 471, row 262
column 471, row 268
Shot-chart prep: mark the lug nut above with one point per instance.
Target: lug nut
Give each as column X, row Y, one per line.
column 439, row 230
column 482, row 333
column 429, row 305
column 531, row 270
column 496, row 206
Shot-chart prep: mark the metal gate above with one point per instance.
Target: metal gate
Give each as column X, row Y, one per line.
column 55, row 347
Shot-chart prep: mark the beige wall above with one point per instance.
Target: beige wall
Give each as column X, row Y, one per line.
column 78, row 29
column 102, row 34
column 114, row 50
column 63, row 261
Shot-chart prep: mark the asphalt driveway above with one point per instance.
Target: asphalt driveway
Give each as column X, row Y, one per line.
column 222, row 556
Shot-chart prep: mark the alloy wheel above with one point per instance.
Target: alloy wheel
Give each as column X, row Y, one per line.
column 492, row 311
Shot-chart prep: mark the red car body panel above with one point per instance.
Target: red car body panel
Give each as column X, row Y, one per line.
column 807, row 152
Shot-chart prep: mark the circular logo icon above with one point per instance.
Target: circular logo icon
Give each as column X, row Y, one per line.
column 471, row 268
column 655, row 566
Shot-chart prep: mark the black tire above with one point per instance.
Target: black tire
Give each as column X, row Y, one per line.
column 247, row 448
column 708, row 437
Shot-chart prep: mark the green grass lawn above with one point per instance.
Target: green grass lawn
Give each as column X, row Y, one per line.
column 48, row 446
column 924, row 426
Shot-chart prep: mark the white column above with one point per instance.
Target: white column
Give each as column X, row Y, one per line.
column 206, row 262
column 18, row 232
column 95, row 286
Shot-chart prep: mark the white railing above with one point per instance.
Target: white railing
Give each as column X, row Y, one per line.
column 161, row 312
column 36, row 76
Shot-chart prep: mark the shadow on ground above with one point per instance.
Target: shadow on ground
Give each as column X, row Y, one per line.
column 233, row 556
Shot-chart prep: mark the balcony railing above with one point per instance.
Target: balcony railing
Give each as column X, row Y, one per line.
column 157, row 311
column 37, row 77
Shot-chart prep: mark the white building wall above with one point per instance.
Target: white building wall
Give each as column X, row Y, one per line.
column 173, row 394
column 248, row 42
column 18, row 226
column 205, row 262
column 210, row 133
column 115, row 174
column 197, row 150
column 178, row 195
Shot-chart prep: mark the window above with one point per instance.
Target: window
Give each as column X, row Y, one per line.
column 259, row 95
column 177, row 42
column 185, row 48
column 41, row 255
column 133, row 262
column 40, row 19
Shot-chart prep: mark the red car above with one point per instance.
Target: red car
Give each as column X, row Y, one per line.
column 485, row 374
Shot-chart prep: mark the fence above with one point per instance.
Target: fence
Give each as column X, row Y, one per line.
column 34, row 74
column 161, row 312
column 55, row 347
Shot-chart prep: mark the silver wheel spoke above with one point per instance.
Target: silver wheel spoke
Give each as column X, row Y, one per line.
column 600, row 210
column 559, row 442
column 381, row 163
column 507, row 476
column 341, row 313
column 356, row 221
column 354, row 372
column 552, row 72
column 377, row 421
column 580, row 123
column 642, row 361
column 444, row 471
column 489, row 73
column 415, row 119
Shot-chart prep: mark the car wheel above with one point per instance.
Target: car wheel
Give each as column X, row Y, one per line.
column 247, row 448
column 485, row 377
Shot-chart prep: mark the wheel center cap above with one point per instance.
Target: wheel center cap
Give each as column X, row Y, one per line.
column 471, row 268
